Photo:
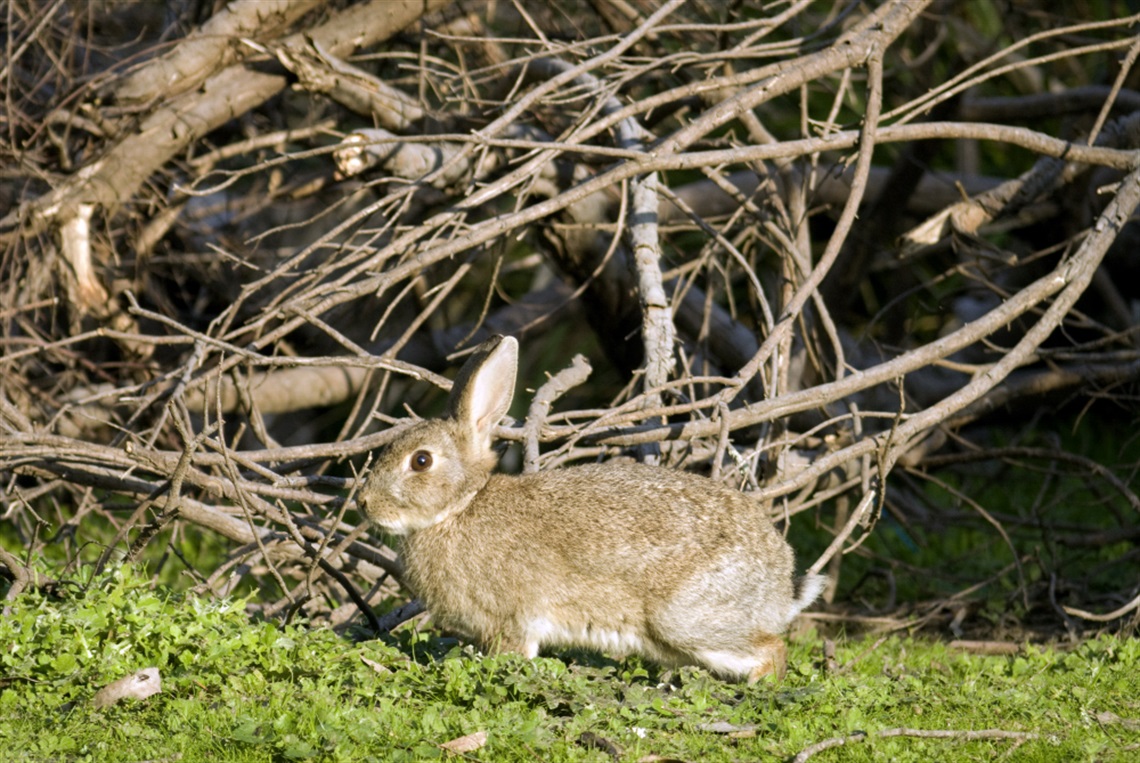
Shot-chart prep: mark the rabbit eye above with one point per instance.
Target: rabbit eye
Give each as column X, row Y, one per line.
column 421, row 461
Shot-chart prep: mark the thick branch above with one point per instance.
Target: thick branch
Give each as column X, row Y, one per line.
column 210, row 48
column 117, row 176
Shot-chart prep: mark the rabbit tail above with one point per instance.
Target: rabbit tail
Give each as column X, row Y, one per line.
column 808, row 589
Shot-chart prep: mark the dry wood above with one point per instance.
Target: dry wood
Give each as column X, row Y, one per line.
column 968, row 735
column 237, row 261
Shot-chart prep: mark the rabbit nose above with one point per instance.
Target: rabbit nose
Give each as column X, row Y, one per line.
column 364, row 500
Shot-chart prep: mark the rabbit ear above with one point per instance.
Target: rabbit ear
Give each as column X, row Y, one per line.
column 483, row 390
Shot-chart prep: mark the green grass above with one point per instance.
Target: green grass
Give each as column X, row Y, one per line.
column 240, row 690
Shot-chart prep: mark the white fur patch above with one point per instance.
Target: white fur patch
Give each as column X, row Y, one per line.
column 542, row 631
column 395, row 525
column 728, row 663
column 811, row 586
column 402, row 524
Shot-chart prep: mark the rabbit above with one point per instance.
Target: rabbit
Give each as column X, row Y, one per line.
column 620, row 558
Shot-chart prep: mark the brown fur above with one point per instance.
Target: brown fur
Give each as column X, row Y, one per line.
column 620, row 557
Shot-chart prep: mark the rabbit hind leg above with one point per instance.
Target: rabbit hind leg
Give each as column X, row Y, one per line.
column 771, row 658
column 767, row 656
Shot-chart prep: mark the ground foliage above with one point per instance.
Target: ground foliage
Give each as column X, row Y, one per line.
column 873, row 262
column 236, row 690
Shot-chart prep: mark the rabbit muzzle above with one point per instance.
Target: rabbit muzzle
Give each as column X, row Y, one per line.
column 400, row 510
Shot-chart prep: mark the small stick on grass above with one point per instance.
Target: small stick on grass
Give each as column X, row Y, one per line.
column 966, row 735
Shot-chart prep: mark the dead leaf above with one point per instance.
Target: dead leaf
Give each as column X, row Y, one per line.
column 138, row 685
column 1108, row 718
column 964, row 218
column 465, row 744
column 375, row 665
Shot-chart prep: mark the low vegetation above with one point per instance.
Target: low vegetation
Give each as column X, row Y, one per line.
column 236, row 689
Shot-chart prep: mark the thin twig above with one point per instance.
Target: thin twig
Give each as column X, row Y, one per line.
column 555, row 387
column 964, row 735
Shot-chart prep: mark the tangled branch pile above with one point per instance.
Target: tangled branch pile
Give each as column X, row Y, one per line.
column 805, row 245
